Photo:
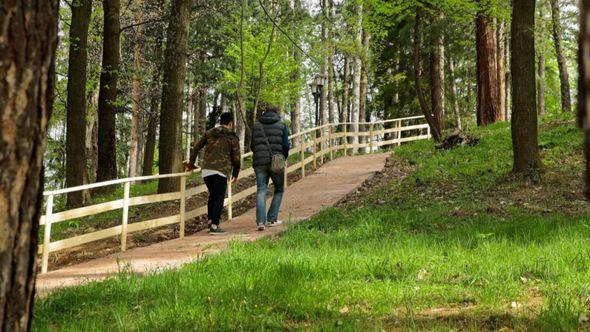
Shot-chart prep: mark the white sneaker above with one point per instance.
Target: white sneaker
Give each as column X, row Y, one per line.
column 260, row 227
column 274, row 223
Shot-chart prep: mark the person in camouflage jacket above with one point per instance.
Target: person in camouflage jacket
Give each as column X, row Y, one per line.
column 222, row 160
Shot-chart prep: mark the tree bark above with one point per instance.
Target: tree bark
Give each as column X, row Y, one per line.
column 566, row 103
column 296, row 75
column 508, row 83
column 136, row 95
column 107, row 96
column 172, row 94
column 27, row 76
column 488, row 111
column 524, row 115
column 437, row 75
column 436, row 134
column 584, row 84
column 356, row 79
column 454, row 94
column 500, row 60
column 345, row 108
column 76, row 101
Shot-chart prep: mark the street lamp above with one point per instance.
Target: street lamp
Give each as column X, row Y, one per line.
column 316, row 90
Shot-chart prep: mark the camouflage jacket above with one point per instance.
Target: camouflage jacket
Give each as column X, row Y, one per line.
column 222, row 151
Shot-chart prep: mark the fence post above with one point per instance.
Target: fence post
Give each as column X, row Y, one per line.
column 428, row 132
column 125, row 216
column 322, row 137
column 302, row 145
column 230, row 203
column 371, row 138
column 399, row 132
column 315, row 148
column 182, row 213
column 47, row 234
column 330, row 143
column 345, row 139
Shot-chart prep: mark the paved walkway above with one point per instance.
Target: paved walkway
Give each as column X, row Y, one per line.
column 303, row 199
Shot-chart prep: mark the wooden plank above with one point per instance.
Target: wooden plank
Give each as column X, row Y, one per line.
column 85, row 211
column 244, row 193
column 125, row 218
column 182, row 205
column 157, row 198
column 153, row 223
column 196, row 212
column 414, row 138
column 196, row 190
column 420, row 126
column 85, row 238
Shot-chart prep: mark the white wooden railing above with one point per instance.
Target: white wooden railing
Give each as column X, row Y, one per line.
column 319, row 141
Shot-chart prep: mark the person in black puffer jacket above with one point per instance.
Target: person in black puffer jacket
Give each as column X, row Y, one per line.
column 278, row 137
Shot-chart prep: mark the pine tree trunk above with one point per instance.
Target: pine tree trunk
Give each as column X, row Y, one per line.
column 487, row 85
column 541, row 86
column 172, row 94
column 356, row 79
column 584, row 84
column 437, row 75
column 524, row 115
column 155, row 96
column 436, row 134
column 345, row 108
column 136, row 95
column 566, row 103
column 508, row 83
column 27, row 77
column 454, row 94
column 76, row 102
column 107, row 97
column 500, row 60
column 189, row 118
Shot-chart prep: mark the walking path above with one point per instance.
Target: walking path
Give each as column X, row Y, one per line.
column 303, row 199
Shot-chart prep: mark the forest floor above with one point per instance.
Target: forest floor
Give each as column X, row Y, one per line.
column 439, row 240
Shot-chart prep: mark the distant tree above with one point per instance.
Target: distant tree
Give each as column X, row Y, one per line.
column 76, row 100
column 524, row 110
column 566, row 103
column 437, row 73
column 488, row 110
column 27, row 78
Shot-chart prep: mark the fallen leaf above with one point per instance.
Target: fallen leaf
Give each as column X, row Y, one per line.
column 344, row 310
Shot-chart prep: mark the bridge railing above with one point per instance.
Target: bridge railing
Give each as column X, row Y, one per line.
column 316, row 145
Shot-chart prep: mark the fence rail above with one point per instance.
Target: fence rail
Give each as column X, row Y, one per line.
column 320, row 142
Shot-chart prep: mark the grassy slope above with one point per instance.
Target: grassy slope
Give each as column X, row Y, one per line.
column 452, row 245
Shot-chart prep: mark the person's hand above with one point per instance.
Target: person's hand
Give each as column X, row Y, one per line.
column 233, row 179
column 188, row 167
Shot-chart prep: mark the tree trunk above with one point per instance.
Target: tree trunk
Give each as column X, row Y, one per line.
column 566, row 103
column 345, row 108
column 487, row 85
column 189, row 119
column 155, row 96
column 136, row 95
column 356, row 79
column 500, row 40
column 92, row 140
column 508, row 83
column 437, row 75
column 436, row 134
column 76, row 102
column 524, row 115
column 541, row 87
column 27, row 76
column 454, row 94
column 107, row 97
column 172, row 94
column 296, row 75
column 584, row 84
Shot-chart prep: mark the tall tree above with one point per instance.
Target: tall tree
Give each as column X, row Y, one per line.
column 296, row 103
column 29, row 39
column 76, row 102
column 345, row 108
column 488, row 111
column 584, row 84
column 500, row 60
column 541, row 84
column 356, row 75
column 454, row 94
column 566, row 103
column 437, row 73
column 524, row 115
column 175, row 61
column 107, row 96
column 136, row 94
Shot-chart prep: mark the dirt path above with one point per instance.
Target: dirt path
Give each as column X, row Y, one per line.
column 305, row 198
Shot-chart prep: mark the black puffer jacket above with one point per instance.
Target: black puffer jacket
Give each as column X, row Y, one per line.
column 278, row 137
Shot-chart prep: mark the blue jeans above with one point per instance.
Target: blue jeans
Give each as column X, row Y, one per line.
column 263, row 174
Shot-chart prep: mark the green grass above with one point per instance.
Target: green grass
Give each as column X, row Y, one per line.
column 460, row 235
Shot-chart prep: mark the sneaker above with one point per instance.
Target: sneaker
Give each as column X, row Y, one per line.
column 274, row 223
column 260, row 227
column 216, row 231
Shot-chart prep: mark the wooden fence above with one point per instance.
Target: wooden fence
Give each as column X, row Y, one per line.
column 319, row 143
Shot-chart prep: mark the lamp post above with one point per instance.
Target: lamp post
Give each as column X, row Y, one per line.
column 316, row 90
